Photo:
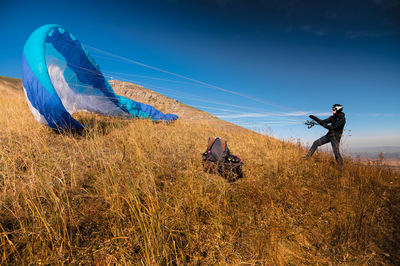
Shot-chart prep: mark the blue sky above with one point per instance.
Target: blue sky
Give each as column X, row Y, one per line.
column 271, row 62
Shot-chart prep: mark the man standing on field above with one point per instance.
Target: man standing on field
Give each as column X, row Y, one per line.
column 335, row 125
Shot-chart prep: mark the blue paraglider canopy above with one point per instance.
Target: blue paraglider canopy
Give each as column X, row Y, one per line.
column 61, row 78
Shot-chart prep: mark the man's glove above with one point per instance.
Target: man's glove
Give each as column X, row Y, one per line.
column 310, row 124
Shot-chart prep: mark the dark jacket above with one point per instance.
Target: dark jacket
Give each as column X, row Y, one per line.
column 334, row 124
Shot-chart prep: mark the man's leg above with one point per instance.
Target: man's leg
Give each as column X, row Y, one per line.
column 335, row 147
column 321, row 141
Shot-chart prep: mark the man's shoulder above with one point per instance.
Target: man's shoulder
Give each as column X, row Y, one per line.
column 339, row 115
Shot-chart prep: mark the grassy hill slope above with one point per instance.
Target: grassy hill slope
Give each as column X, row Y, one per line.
column 133, row 191
column 7, row 83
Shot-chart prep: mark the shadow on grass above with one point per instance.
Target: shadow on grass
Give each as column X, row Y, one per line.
column 95, row 124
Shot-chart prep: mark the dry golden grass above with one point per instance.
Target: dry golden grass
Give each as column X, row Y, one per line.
column 133, row 192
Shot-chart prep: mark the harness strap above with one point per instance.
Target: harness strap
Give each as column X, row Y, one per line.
column 223, row 143
column 210, row 143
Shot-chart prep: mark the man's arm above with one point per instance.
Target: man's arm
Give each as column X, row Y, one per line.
column 324, row 122
column 316, row 119
column 340, row 123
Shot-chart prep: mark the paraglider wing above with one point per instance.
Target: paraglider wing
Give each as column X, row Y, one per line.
column 61, row 78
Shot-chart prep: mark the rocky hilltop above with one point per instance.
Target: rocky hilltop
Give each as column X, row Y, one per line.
column 7, row 83
column 159, row 101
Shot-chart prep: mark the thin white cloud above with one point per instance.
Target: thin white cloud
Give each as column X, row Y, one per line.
column 216, row 108
column 379, row 114
column 271, row 114
column 385, row 115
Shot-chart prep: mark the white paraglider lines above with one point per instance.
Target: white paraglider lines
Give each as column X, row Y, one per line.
column 289, row 112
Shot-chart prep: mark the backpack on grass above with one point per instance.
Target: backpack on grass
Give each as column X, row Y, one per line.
column 218, row 159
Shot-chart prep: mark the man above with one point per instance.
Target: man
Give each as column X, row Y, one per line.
column 335, row 125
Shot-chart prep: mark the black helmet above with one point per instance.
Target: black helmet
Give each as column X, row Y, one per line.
column 337, row 107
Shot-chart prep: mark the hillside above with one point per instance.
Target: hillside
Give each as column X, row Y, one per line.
column 134, row 192
column 169, row 105
column 7, row 83
column 159, row 101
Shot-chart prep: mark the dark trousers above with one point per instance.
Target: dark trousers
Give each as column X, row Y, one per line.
column 335, row 141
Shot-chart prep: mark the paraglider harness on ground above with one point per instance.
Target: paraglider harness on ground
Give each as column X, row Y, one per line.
column 217, row 158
